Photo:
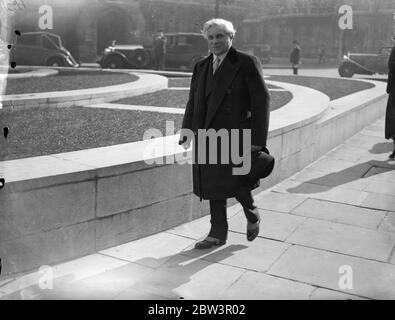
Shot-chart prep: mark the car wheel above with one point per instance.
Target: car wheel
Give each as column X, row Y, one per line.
column 139, row 58
column 346, row 70
column 114, row 63
column 55, row 62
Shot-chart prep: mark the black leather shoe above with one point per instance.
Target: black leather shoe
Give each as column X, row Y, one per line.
column 253, row 233
column 392, row 156
column 207, row 244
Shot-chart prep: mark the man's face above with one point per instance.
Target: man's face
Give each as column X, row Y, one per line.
column 218, row 41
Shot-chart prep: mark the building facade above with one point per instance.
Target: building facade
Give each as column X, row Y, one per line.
column 88, row 26
column 314, row 24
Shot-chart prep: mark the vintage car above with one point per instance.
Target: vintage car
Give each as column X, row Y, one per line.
column 262, row 51
column 365, row 63
column 183, row 50
column 40, row 49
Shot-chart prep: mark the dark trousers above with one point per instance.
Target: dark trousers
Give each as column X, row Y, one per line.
column 295, row 69
column 219, row 222
column 160, row 62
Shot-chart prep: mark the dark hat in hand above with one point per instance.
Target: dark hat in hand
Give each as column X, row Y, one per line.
column 262, row 164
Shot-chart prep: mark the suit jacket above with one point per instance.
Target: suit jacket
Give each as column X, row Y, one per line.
column 391, row 73
column 237, row 98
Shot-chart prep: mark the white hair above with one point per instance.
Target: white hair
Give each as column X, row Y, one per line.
column 225, row 25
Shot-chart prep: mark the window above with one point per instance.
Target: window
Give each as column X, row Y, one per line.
column 29, row 40
column 48, row 44
column 183, row 41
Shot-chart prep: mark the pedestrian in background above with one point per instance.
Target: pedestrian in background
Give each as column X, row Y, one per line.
column 390, row 113
column 295, row 57
column 228, row 92
column 322, row 58
column 160, row 50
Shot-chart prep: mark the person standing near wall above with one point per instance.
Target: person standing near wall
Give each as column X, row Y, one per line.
column 295, row 57
column 160, row 50
column 390, row 113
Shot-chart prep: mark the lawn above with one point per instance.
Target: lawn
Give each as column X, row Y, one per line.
column 186, row 82
column 179, row 99
column 43, row 131
column 333, row 88
column 68, row 80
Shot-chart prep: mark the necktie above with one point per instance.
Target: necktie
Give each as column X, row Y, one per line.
column 216, row 64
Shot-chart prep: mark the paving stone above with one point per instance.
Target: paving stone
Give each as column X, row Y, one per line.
column 379, row 201
column 370, row 279
column 189, row 278
column 332, row 180
column 380, row 174
column 364, row 141
column 273, row 225
column 338, row 194
column 258, row 286
column 75, row 270
column 344, row 239
column 114, row 281
column 388, row 223
column 150, row 251
column 329, row 165
column 325, row 294
column 278, row 202
column 133, row 294
column 348, row 153
column 195, row 229
column 257, row 255
column 392, row 261
column 340, row 213
column 381, row 187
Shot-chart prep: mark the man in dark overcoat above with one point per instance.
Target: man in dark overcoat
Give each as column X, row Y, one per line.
column 390, row 112
column 295, row 57
column 160, row 50
column 227, row 94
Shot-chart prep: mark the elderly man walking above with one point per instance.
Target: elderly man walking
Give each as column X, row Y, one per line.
column 227, row 93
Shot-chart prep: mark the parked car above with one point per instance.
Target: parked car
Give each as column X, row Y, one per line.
column 183, row 50
column 365, row 63
column 41, row 49
column 262, row 51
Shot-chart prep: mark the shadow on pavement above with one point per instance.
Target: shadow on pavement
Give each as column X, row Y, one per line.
column 383, row 147
column 338, row 178
column 136, row 280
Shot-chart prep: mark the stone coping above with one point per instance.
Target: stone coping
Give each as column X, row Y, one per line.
column 145, row 84
column 35, row 73
column 294, row 114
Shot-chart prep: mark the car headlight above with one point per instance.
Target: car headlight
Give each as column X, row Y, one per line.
column 107, row 50
column 345, row 57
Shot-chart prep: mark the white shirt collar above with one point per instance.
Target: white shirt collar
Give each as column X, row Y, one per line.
column 221, row 57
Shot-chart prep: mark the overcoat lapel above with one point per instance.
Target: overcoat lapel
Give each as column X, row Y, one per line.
column 222, row 79
column 201, row 88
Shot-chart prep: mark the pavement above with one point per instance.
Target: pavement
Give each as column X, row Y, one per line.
column 327, row 232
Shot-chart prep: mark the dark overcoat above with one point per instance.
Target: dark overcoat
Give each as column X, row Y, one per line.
column 390, row 112
column 235, row 98
column 295, row 55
